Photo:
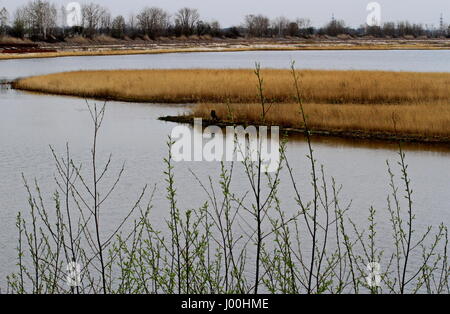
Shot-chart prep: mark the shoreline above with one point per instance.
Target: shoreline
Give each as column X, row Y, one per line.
column 356, row 134
column 419, row 101
column 109, row 49
column 386, row 137
column 361, row 135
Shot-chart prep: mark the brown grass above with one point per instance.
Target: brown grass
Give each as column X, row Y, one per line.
column 419, row 120
column 239, row 86
column 96, row 52
column 334, row 100
column 13, row 40
column 80, row 40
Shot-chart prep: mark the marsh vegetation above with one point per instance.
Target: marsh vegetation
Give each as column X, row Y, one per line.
column 365, row 101
column 238, row 241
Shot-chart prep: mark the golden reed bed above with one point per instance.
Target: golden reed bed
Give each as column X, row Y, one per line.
column 239, row 86
column 334, row 100
column 415, row 121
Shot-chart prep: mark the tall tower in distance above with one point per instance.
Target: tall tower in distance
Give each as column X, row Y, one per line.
column 441, row 23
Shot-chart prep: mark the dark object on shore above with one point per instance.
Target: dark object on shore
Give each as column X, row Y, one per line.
column 214, row 115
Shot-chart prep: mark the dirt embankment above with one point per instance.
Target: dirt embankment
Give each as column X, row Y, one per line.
column 110, row 46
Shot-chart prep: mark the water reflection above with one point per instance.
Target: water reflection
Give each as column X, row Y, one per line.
column 4, row 87
column 339, row 142
column 133, row 133
column 388, row 60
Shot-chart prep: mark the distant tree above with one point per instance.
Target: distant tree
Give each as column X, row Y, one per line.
column 118, row 27
column 202, row 28
column 280, row 26
column 216, row 30
column 19, row 24
column 105, row 21
column 186, row 20
column 374, row 30
column 4, row 20
column 335, row 27
column 388, row 29
column 304, row 26
column 205, row 28
column 131, row 26
column 418, row 30
column 293, row 29
column 38, row 20
column 63, row 12
column 403, row 28
column 407, row 29
column 257, row 25
column 94, row 17
column 233, row 32
column 39, row 17
column 153, row 22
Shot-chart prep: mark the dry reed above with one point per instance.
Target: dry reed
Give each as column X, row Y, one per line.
column 238, row 86
column 335, row 100
column 421, row 120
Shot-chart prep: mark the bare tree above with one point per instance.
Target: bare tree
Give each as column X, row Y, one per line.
column 216, row 29
column 304, row 26
column 293, row 29
column 90, row 17
column 389, row 29
column 94, row 17
column 407, row 29
column 105, row 20
column 186, row 19
column 374, row 30
column 118, row 27
column 335, row 27
column 39, row 17
column 153, row 21
column 132, row 28
column 19, row 23
column 63, row 16
column 4, row 19
column 280, row 26
column 257, row 25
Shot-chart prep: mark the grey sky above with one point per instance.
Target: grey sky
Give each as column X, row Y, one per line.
column 231, row 12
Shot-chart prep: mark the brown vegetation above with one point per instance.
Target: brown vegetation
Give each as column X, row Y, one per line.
column 366, row 101
column 417, row 120
column 238, row 86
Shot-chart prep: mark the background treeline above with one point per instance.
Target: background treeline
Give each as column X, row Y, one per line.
column 43, row 20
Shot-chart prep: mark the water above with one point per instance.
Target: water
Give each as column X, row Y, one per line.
column 29, row 123
column 392, row 60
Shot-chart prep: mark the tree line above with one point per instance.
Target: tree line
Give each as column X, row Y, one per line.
column 42, row 20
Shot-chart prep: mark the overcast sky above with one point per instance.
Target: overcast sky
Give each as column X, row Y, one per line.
column 231, row 12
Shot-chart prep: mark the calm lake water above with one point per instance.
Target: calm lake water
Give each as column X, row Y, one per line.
column 29, row 123
column 392, row 60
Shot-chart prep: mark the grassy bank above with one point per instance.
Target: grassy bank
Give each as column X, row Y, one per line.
column 133, row 50
column 107, row 52
column 416, row 123
column 362, row 102
column 238, row 86
column 102, row 52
